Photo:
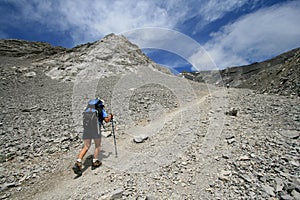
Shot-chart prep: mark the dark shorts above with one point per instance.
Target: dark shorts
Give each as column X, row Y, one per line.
column 91, row 132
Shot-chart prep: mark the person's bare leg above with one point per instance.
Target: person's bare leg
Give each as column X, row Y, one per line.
column 96, row 162
column 87, row 144
column 78, row 165
column 97, row 148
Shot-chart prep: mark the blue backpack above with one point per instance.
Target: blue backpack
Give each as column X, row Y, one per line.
column 92, row 115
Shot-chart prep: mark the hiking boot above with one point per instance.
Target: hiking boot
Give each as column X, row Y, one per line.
column 96, row 164
column 77, row 168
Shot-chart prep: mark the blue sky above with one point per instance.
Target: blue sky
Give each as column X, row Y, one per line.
column 232, row 32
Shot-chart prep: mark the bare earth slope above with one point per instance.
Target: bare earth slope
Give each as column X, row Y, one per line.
column 193, row 151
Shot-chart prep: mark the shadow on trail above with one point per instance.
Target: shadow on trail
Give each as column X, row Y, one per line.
column 102, row 155
column 89, row 160
column 87, row 163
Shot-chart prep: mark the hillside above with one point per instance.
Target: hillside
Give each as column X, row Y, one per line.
column 279, row 75
column 196, row 147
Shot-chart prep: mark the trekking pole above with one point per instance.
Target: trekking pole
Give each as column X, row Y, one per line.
column 113, row 133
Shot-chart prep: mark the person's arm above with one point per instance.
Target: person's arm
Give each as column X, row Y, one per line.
column 107, row 118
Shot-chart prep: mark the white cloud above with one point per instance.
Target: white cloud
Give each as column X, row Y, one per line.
column 216, row 9
column 261, row 34
column 173, row 42
column 257, row 36
column 90, row 20
column 213, row 10
column 94, row 20
column 36, row 11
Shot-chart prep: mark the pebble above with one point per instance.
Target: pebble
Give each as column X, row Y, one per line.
column 106, row 133
column 30, row 74
column 230, row 141
column 184, row 163
column 224, row 175
column 244, row 158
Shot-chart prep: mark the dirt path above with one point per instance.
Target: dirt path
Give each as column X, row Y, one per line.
column 175, row 162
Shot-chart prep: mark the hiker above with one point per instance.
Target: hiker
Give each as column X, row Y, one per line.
column 93, row 118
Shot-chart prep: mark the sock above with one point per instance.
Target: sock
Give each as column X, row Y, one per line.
column 94, row 160
column 79, row 160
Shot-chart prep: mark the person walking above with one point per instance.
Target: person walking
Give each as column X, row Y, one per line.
column 93, row 117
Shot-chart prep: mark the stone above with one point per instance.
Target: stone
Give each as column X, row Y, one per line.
column 5, row 196
column 244, row 158
column 269, row 190
column 225, row 156
column 286, row 197
column 279, row 184
column 292, row 134
column 151, row 198
column 224, row 175
column 229, row 137
column 230, row 141
column 31, row 109
column 246, row 178
column 295, row 163
column 141, row 198
column 106, row 133
column 184, row 163
column 116, row 194
column 140, row 139
column 295, row 194
column 30, row 74
column 5, row 186
column 232, row 112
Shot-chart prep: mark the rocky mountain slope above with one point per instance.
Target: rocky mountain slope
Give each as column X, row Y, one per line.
column 279, row 75
column 21, row 48
column 196, row 148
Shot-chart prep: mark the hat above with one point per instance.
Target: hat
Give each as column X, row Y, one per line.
column 101, row 102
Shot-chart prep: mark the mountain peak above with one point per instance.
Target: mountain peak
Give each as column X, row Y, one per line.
column 114, row 53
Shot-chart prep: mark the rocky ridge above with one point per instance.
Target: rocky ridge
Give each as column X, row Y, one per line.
column 21, row 48
column 279, row 75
